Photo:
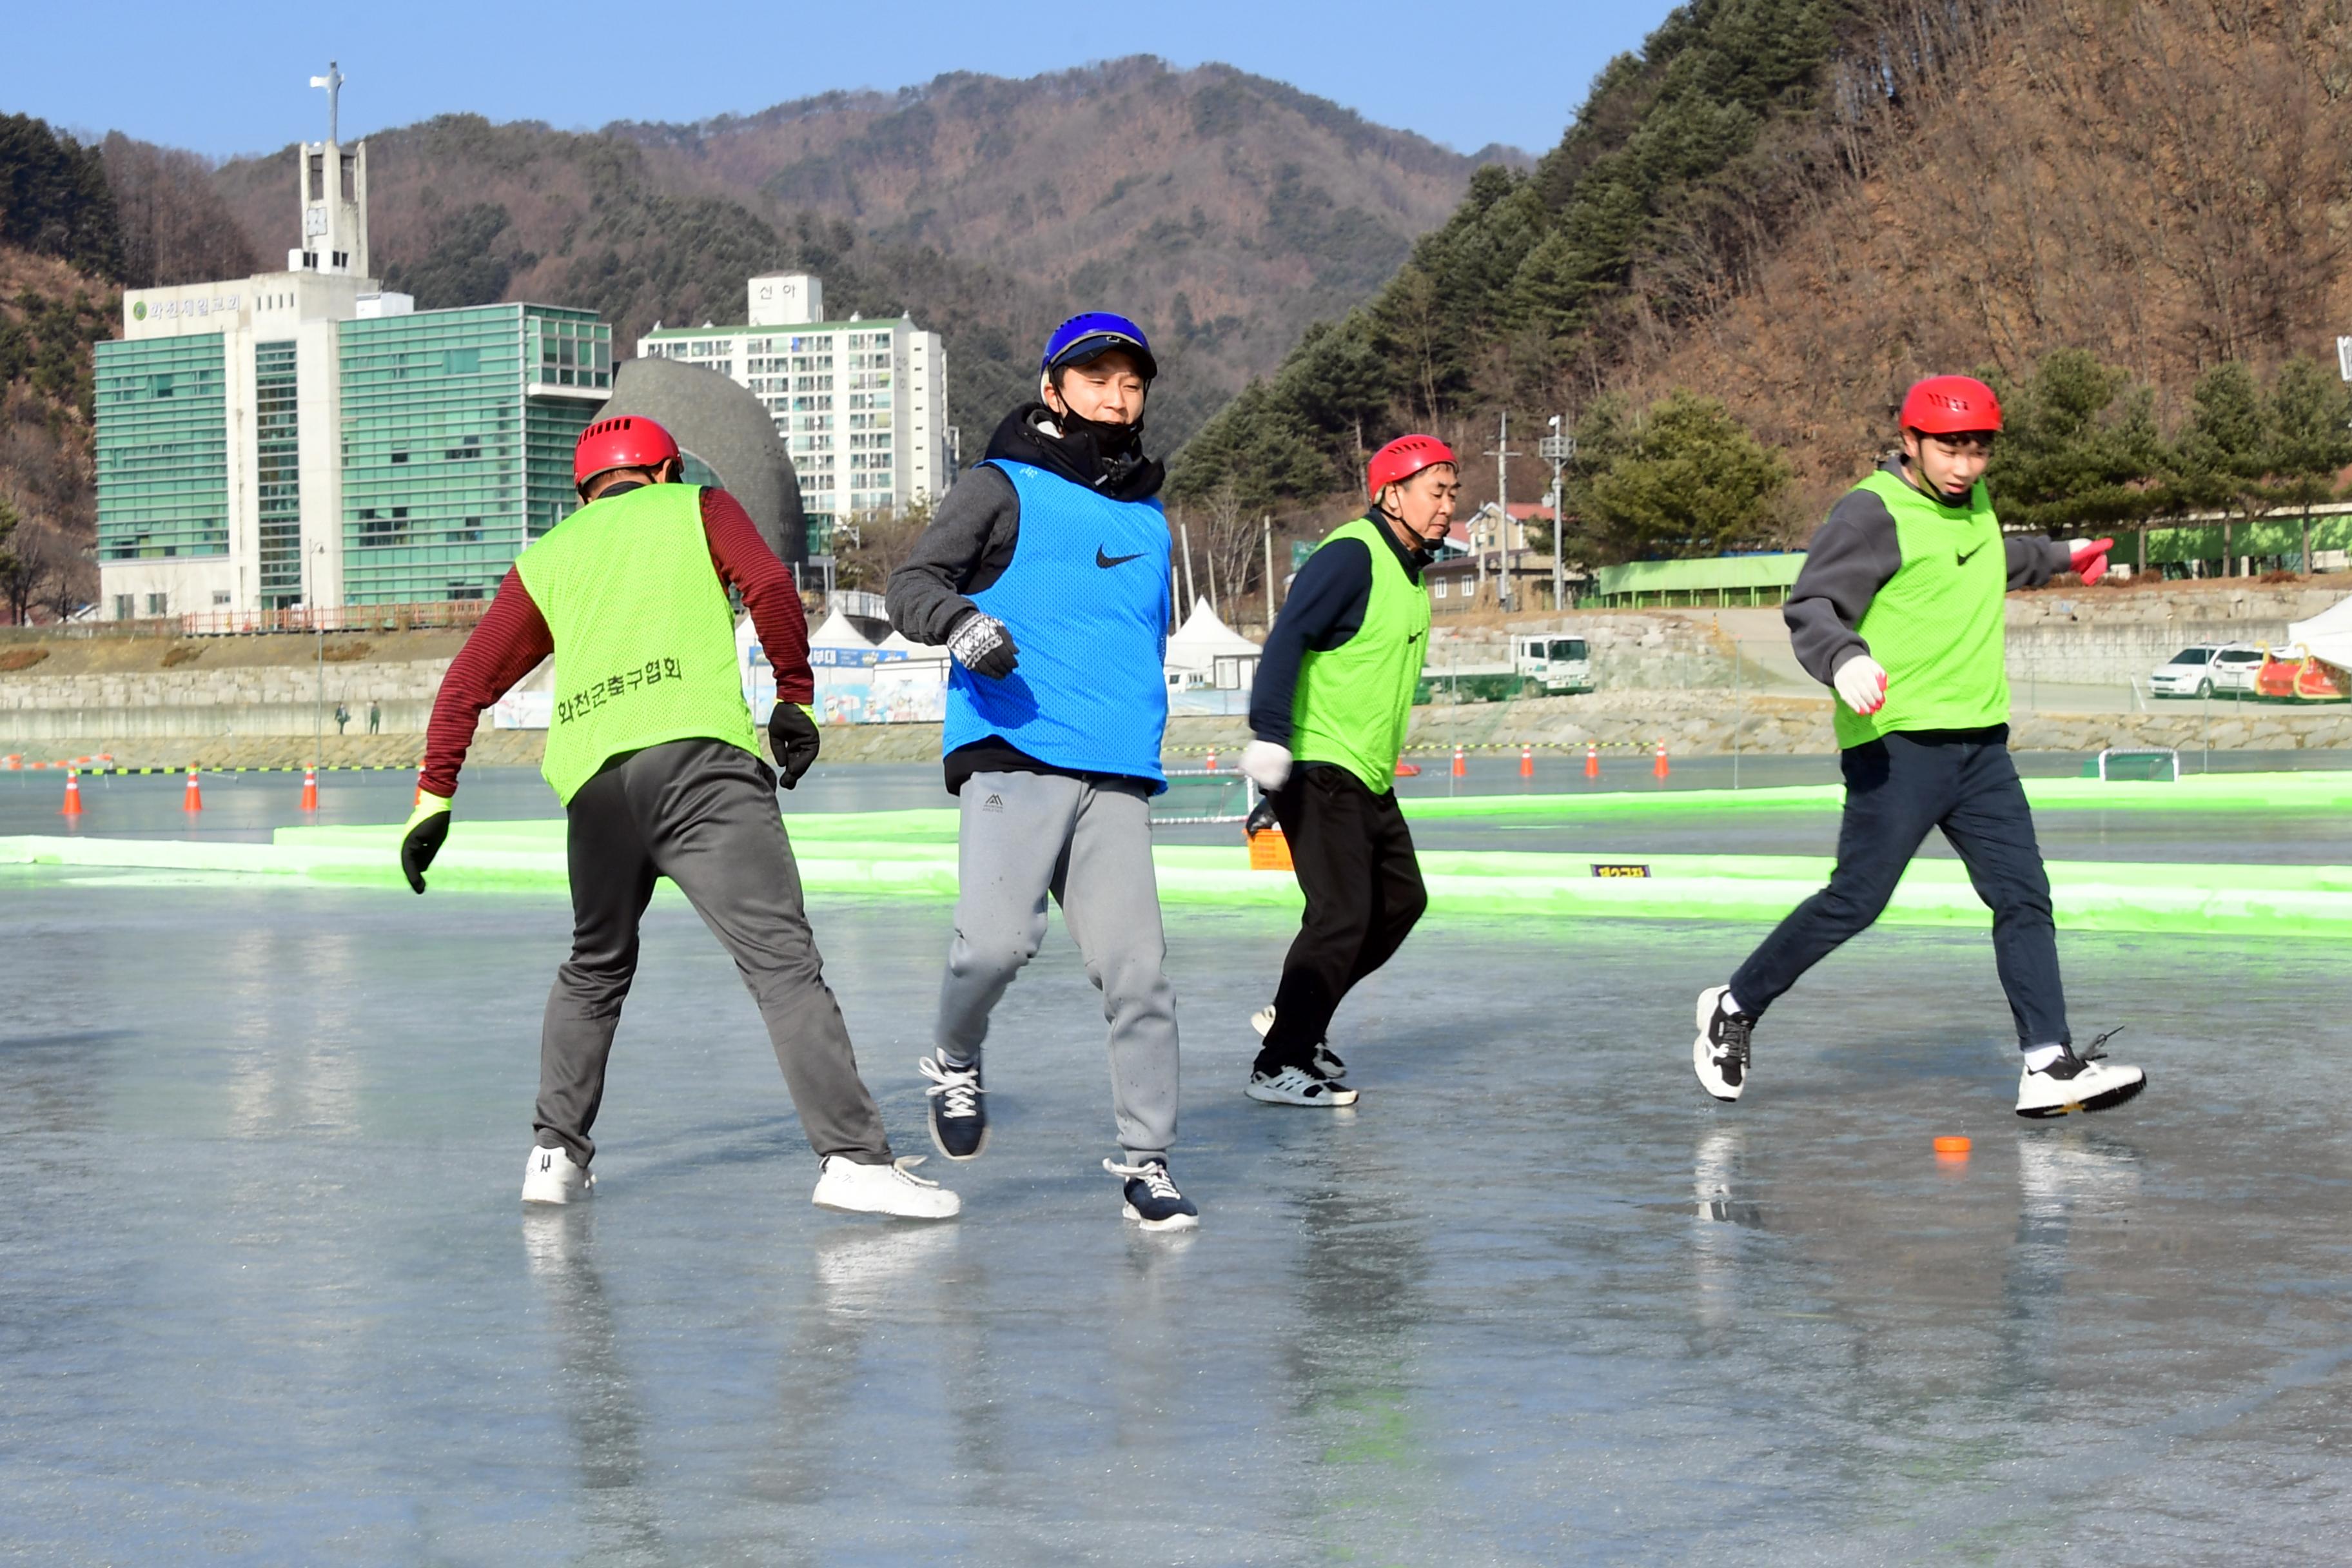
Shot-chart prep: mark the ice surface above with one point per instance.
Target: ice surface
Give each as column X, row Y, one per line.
column 266, row 1294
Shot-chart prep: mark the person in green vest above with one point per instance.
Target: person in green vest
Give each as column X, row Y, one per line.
column 651, row 749
column 1328, row 713
column 1899, row 609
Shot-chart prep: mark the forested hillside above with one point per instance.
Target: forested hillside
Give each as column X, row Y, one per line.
column 61, row 257
column 1223, row 210
column 1760, row 229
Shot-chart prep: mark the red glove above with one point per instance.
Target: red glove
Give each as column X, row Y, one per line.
column 2087, row 558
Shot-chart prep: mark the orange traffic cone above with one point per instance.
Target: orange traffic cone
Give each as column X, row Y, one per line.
column 310, row 789
column 1659, row 768
column 1212, row 759
column 1461, row 769
column 72, row 806
column 1592, row 759
column 193, row 800
column 1527, row 762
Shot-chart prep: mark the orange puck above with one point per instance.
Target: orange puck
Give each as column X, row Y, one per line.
column 1952, row 1144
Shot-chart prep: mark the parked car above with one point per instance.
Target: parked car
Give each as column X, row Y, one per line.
column 2207, row 670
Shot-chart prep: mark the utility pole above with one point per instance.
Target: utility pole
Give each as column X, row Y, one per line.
column 1559, row 447
column 1502, row 454
column 1268, row 521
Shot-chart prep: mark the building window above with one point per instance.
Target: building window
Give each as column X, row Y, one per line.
column 221, row 598
column 1438, row 591
column 158, row 603
column 125, row 607
column 461, row 362
column 464, row 451
column 400, row 457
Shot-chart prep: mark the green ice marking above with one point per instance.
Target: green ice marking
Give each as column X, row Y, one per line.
column 2198, row 792
column 912, row 853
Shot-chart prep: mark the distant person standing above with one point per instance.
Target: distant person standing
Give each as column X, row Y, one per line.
column 375, row 718
column 1899, row 610
column 1328, row 714
column 1045, row 574
column 342, row 718
column 650, row 748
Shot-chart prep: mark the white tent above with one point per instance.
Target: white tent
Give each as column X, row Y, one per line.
column 898, row 642
column 837, row 632
column 1203, row 639
column 2327, row 636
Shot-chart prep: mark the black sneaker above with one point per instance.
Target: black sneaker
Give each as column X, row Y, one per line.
column 1719, row 1055
column 958, row 1115
column 1152, row 1200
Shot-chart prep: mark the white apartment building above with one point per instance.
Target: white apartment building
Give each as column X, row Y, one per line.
column 863, row 403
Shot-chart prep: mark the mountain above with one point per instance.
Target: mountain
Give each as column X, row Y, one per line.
column 1222, row 210
column 1794, row 207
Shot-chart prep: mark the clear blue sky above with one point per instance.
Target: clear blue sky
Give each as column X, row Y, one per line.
column 229, row 80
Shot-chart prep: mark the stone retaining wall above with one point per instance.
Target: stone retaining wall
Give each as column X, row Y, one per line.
column 1691, row 724
column 198, row 703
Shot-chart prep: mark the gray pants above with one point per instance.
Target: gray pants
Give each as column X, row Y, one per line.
column 1028, row 835
column 703, row 813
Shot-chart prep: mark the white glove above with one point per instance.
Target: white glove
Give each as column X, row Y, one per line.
column 1267, row 764
column 1861, row 683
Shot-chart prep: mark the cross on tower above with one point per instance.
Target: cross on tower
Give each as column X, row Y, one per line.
column 334, row 82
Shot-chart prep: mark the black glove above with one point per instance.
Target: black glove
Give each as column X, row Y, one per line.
column 791, row 735
column 428, row 826
column 981, row 644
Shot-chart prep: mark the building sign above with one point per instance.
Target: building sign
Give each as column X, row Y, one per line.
column 170, row 310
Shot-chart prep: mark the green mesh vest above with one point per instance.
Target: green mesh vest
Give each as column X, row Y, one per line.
column 1936, row 623
column 1354, row 703
column 645, row 639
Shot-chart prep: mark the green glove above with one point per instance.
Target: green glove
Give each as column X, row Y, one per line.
column 429, row 825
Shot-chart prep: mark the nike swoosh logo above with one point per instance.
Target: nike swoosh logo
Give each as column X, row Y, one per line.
column 1106, row 561
column 1964, row 560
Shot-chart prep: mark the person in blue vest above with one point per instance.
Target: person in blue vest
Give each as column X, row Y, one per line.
column 1044, row 573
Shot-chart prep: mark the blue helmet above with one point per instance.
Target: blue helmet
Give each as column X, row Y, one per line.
column 1085, row 338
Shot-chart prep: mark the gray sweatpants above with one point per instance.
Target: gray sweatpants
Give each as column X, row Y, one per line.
column 1024, row 835
column 703, row 813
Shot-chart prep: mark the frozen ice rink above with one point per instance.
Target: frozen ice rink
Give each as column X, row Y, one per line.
column 266, row 1295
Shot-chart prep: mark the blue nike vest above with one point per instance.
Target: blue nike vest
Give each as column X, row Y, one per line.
column 1085, row 599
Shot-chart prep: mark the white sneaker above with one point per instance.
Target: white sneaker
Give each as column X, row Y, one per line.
column 1296, row 1086
column 2073, row 1083
column 549, row 1176
column 1330, row 1066
column 1719, row 1055
column 848, row 1187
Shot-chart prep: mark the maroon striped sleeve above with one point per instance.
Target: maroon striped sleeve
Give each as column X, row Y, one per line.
column 506, row 647
column 747, row 565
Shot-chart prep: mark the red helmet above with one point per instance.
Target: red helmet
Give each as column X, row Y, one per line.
column 1948, row 404
column 628, row 441
column 1404, row 457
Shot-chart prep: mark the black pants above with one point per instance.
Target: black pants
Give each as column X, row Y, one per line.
column 1898, row 788
column 703, row 813
column 1363, row 891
